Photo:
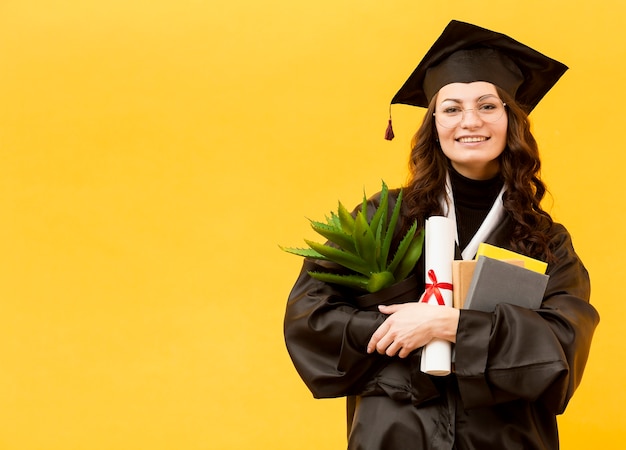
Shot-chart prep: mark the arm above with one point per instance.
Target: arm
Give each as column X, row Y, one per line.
column 327, row 338
column 516, row 353
column 327, row 334
column 411, row 326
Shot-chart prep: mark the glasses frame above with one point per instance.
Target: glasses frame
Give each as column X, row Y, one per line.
column 462, row 116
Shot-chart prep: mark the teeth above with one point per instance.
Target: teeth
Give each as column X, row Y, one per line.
column 472, row 139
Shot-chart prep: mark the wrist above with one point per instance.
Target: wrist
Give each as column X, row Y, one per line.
column 448, row 324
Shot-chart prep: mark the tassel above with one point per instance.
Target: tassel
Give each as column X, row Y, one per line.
column 389, row 132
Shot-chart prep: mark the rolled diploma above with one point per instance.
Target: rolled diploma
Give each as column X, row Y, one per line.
column 440, row 235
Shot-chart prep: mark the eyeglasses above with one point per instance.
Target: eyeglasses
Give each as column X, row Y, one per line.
column 489, row 111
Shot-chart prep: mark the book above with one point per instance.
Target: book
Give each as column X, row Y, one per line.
column 492, row 251
column 462, row 273
column 496, row 281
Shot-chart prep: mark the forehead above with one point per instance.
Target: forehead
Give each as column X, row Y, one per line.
column 466, row 91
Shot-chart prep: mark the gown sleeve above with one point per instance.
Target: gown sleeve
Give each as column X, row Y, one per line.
column 327, row 337
column 534, row 355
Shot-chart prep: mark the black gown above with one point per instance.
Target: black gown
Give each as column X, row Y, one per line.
column 515, row 369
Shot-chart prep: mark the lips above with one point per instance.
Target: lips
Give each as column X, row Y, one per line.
column 472, row 139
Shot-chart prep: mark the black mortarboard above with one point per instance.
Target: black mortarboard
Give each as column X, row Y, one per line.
column 465, row 53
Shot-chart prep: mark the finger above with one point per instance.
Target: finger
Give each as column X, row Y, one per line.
column 376, row 337
column 388, row 309
column 400, row 346
column 409, row 344
column 381, row 340
column 393, row 348
column 404, row 352
column 383, row 344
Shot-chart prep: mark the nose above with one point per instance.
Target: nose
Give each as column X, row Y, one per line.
column 470, row 118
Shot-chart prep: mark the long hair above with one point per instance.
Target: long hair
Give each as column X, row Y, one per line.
column 519, row 168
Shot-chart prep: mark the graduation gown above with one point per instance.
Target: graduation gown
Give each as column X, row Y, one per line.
column 515, row 369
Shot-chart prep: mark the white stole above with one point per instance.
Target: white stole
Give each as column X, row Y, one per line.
column 494, row 217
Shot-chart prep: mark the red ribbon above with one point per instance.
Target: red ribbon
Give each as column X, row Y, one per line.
column 434, row 288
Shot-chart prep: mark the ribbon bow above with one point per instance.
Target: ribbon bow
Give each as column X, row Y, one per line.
column 434, row 288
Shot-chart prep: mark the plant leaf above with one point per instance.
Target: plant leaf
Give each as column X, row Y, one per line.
column 380, row 280
column 381, row 212
column 334, row 235
column 353, row 281
column 402, row 248
column 364, row 204
column 346, row 219
column 388, row 233
column 348, row 260
column 365, row 241
column 306, row 252
column 335, row 221
column 411, row 256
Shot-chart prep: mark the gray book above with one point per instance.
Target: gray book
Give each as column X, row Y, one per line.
column 496, row 281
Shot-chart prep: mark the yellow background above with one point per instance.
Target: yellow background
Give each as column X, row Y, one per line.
column 154, row 153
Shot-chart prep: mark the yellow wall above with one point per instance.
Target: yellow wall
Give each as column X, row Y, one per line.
column 154, row 153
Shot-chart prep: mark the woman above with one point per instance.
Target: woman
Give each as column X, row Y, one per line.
column 475, row 161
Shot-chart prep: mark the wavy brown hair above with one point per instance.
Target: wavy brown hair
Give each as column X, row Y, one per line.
column 519, row 168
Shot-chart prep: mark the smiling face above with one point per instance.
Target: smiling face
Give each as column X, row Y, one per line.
column 474, row 135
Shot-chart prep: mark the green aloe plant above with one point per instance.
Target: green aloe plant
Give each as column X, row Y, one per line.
column 364, row 247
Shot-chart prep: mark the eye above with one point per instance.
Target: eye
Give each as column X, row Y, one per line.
column 487, row 107
column 451, row 110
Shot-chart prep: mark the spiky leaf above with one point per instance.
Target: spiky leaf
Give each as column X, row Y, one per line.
column 352, row 281
column 348, row 260
column 364, row 204
column 380, row 280
column 403, row 246
column 346, row 219
column 388, row 233
column 335, row 222
column 381, row 212
column 365, row 241
column 334, row 235
column 306, row 252
column 413, row 253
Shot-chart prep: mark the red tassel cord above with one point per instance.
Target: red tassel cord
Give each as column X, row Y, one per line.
column 389, row 133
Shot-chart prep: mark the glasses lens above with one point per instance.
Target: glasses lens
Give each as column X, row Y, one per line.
column 488, row 111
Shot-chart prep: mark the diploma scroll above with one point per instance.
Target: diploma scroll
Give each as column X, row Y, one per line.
column 440, row 236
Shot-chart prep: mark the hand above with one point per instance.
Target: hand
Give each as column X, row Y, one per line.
column 411, row 326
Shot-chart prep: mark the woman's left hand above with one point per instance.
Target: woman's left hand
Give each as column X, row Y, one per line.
column 412, row 325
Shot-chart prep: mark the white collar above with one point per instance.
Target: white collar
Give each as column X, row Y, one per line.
column 493, row 218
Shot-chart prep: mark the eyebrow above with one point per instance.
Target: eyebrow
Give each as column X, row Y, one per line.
column 482, row 97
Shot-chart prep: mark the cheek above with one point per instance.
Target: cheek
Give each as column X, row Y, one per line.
column 443, row 134
column 446, row 140
column 502, row 136
column 504, row 129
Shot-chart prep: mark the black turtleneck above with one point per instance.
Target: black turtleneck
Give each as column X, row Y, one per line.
column 473, row 200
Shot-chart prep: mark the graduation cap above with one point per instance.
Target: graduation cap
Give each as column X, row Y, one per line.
column 465, row 53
